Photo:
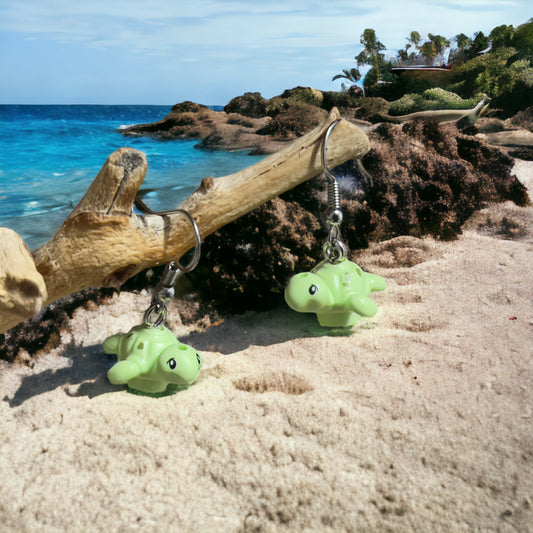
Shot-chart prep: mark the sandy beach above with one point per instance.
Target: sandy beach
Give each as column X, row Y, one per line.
column 418, row 419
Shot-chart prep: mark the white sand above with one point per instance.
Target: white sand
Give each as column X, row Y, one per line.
column 420, row 419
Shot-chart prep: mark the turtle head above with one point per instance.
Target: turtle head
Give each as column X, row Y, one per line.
column 179, row 364
column 307, row 293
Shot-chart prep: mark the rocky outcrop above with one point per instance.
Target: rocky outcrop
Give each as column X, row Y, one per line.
column 248, row 122
column 215, row 130
column 249, row 104
column 513, row 135
column 251, row 122
column 293, row 120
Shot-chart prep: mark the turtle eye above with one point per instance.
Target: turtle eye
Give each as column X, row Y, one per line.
column 199, row 359
column 313, row 290
column 171, row 363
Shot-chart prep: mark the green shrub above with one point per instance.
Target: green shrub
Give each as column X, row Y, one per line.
column 297, row 95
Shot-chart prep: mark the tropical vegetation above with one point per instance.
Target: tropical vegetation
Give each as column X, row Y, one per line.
column 498, row 65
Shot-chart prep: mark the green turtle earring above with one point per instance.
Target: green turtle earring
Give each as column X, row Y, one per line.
column 149, row 356
column 337, row 289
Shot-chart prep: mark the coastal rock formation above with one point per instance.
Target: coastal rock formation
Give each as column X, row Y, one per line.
column 216, row 129
column 249, row 104
column 248, row 122
column 513, row 135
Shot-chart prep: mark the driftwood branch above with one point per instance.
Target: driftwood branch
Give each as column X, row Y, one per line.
column 22, row 288
column 445, row 115
column 103, row 242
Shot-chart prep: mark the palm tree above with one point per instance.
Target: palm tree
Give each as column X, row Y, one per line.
column 414, row 38
column 429, row 51
column 462, row 41
column 412, row 41
column 459, row 55
column 353, row 75
column 371, row 54
column 439, row 42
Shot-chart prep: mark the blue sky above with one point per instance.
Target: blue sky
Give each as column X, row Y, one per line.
column 208, row 51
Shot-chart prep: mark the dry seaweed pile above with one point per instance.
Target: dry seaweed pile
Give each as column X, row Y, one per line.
column 42, row 332
column 423, row 178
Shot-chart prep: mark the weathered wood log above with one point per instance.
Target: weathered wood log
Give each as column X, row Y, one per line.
column 22, row 288
column 103, row 242
column 444, row 115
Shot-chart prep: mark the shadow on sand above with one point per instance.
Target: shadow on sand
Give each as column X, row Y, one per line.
column 87, row 373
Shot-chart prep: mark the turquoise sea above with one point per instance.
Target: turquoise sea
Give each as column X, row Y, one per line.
column 50, row 154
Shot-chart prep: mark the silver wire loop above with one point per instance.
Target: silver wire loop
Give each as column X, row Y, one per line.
column 158, row 310
column 335, row 250
column 164, row 291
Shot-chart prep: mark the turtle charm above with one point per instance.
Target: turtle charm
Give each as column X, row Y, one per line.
column 149, row 358
column 337, row 292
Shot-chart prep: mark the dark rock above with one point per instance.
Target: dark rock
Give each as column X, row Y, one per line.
column 187, row 107
column 216, row 130
column 522, row 120
column 372, row 109
column 293, row 120
column 249, row 104
column 297, row 95
column 178, row 124
column 429, row 179
column 340, row 99
column 522, row 153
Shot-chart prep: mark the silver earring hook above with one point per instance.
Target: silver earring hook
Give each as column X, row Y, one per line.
column 325, row 168
column 143, row 208
column 164, row 291
column 334, row 249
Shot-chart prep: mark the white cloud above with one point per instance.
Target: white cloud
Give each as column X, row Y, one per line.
column 257, row 45
column 166, row 24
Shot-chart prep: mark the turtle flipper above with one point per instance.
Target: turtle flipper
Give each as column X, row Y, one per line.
column 363, row 305
column 112, row 343
column 123, row 371
column 377, row 283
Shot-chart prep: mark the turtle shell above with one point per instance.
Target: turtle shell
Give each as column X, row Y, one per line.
column 143, row 344
column 343, row 279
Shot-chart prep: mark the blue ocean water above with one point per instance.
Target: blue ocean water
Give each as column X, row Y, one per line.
column 50, row 154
